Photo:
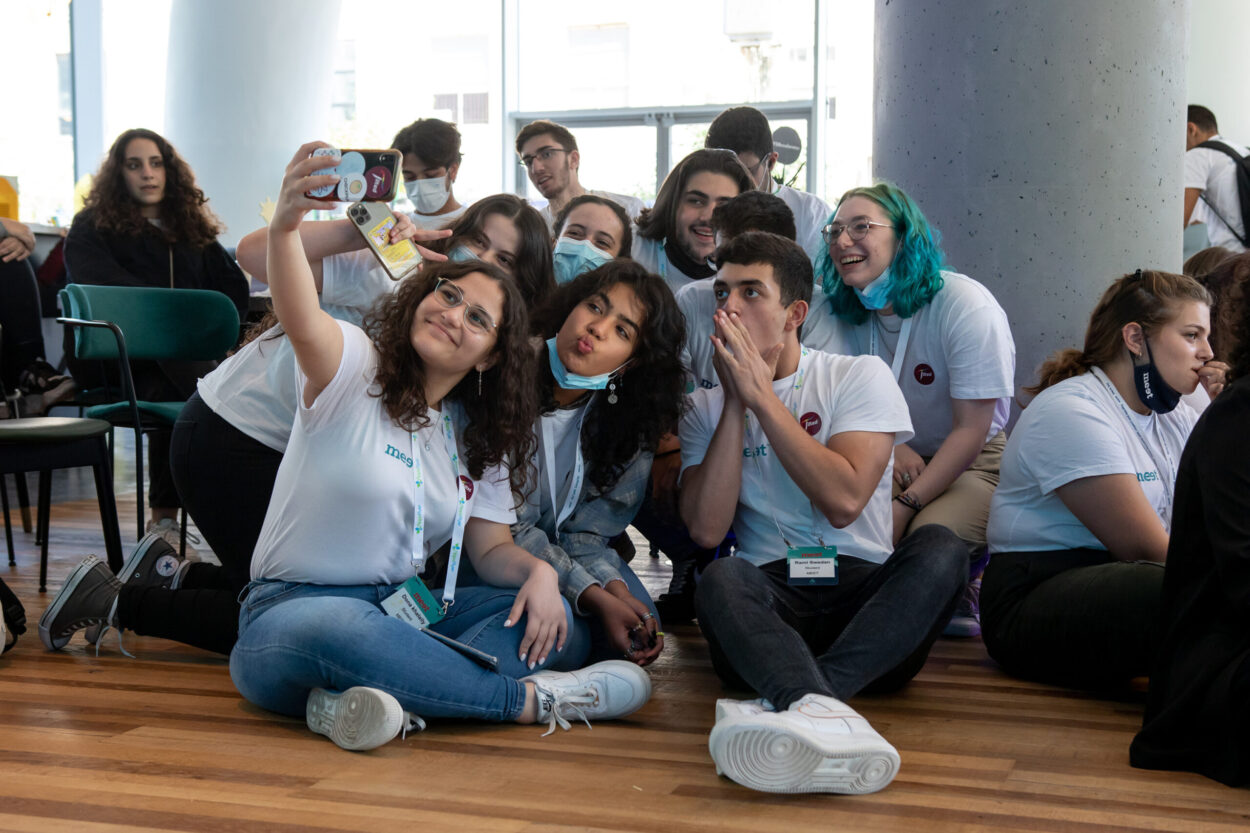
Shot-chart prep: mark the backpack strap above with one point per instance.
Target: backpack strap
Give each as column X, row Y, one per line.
column 1239, row 161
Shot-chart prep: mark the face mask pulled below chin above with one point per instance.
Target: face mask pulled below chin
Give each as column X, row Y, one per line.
column 876, row 295
column 1155, row 394
column 428, row 195
column 574, row 381
column 575, row 257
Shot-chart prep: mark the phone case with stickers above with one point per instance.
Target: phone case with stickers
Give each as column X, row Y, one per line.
column 374, row 221
column 364, row 175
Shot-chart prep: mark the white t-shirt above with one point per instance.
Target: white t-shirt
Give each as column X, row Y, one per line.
column 254, row 390
column 436, row 221
column 1074, row 429
column 959, row 347
column 829, row 395
column 562, row 425
column 1215, row 174
column 342, row 505
column 632, row 205
column 811, row 213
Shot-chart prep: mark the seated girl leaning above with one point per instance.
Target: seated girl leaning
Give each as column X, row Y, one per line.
column 1079, row 525
column 610, row 383
column 398, row 445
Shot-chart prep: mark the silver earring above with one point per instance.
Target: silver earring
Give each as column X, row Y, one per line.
column 612, row 398
column 479, row 383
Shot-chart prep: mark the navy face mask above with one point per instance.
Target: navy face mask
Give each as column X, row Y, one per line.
column 1155, row 394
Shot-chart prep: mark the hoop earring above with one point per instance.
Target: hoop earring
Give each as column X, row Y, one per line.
column 479, row 383
column 612, row 397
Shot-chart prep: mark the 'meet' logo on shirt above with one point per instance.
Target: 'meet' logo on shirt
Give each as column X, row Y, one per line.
column 1147, row 476
column 392, row 451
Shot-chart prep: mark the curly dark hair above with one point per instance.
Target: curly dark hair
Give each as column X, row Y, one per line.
column 1229, row 285
column 532, row 271
column 185, row 217
column 651, row 389
column 500, row 420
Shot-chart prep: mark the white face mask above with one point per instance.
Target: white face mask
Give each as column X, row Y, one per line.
column 428, row 195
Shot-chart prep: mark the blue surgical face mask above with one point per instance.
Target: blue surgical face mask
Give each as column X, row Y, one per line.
column 876, row 295
column 573, row 257
column 461, row 253
column 1155, row 394
column 573, row 381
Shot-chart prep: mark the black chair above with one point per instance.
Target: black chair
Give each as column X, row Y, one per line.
column 45, row 443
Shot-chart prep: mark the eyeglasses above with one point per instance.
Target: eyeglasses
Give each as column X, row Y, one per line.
column 857, row 229
column 476, row 318
column 542, row 154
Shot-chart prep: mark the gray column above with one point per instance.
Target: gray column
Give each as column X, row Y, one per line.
column 1044, row 140
column 248, row 83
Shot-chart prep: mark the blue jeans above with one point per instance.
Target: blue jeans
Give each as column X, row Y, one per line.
column 872, row 630
column 296, row 637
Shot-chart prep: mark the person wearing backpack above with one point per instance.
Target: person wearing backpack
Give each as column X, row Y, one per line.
column 1217, row 181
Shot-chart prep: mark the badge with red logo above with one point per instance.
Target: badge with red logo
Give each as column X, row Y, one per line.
column 468, row 487
column 924, row 374
column 811, row 422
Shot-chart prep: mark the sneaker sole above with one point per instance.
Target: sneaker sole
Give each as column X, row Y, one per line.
column 49, row 615
column 779, row 760
column 358, row 719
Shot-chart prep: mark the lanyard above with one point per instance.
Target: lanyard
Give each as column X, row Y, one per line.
column 799, row 378
column 903, row 335
column 579, row 468
column 1168, row 480
column 418, row 511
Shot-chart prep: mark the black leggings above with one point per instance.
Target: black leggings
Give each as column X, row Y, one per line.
column 20, row 323
column 1075, row 618
column 225, row 479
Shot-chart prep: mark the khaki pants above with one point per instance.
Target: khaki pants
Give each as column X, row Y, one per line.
column 964, row 508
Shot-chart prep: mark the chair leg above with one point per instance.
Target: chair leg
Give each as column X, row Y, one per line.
column 45, row 510
column 108, row 508
column 39, row 516
column 23, row 501
column 139, row 480
column 182, row 535
column 8, row 522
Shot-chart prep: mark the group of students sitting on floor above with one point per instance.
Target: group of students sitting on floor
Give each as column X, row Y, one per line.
column 834, row 429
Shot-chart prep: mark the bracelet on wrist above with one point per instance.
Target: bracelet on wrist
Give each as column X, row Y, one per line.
column 909, row 501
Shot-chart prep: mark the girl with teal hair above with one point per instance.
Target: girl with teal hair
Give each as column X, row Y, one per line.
column 887, row 292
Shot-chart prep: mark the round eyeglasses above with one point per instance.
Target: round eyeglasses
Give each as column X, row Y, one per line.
column 476, row 318
column 857, row 229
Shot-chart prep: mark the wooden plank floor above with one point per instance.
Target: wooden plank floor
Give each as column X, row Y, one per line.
column 163, row 742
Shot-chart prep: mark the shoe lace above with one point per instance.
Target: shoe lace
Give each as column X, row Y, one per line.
column 411, row 722
column 107, row 622
column 554, row 702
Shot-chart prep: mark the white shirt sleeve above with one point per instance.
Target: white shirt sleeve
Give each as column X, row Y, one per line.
column 1198, row 167
column 355, row 373
column 1068, row 438
column 698, row 424
column 868, row 399
column 980, row 353
column 492, row 497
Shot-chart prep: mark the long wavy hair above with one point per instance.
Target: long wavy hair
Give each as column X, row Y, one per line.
column 500, row 419
column 1148, row 298
column 660, row 221
column 916, row 269
column 650, row 390
column 185, row 217
column 532, row 271
column 1229, row 285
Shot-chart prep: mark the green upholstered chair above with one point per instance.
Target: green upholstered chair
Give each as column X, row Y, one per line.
column 124, row 324
column 45, row 443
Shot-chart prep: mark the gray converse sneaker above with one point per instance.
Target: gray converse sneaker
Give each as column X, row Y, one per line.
column 89, row 596
column 152, row 563
column 819, row 744
column 605, row 691
column 169, row 529
column 358, row 719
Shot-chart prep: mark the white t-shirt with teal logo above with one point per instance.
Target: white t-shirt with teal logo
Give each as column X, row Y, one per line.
column 828, row 395
column 1079, row 428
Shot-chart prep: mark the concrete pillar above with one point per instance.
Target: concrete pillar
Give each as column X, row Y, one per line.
column 1044, row 141
column 1219, row 65
column 248, row 82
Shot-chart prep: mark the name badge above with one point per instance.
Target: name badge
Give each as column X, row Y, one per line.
column 813, row 565
column 413, row 603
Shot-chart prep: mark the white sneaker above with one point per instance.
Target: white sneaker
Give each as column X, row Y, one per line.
column 169, row 529
column 819, row 744
column 605, row 691
column 358, row 719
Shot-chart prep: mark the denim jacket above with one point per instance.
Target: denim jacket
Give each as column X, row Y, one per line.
column 581, row 555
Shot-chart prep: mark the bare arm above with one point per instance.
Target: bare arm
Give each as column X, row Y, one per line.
column 20, row 231
column 709, row 491
column 1113, row 507
column 314, row 335
column 1191, row 199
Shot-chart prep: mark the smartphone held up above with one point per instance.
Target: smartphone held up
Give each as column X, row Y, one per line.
column 371, row 175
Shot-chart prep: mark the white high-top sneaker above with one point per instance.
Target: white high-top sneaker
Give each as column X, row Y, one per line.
column 819, row 744
column 605, row 691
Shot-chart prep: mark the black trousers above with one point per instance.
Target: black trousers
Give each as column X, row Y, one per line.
column 225, row 479
column 20, row 324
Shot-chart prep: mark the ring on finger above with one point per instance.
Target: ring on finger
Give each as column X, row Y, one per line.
column 907, row 478
column 647, row 616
